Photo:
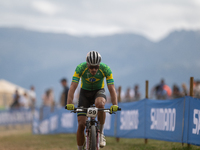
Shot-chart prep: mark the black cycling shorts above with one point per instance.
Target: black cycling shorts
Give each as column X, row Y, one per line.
column 87, row 98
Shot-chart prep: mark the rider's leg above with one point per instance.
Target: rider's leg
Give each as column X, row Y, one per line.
column 80, row 132
column 100, row 103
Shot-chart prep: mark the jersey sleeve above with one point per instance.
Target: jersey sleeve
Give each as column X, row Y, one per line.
column 78, row 73
column 108, row 75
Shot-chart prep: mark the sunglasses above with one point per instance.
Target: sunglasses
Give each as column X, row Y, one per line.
column 93, row 67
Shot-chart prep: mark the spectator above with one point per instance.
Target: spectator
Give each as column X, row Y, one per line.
column 63, row 98
column 32, row 96
column 24, row 101
column 184, row 89
column 162, row 91
column 120, row 94
column 137, row 93
column 129, row 95
column 16, row 98
column 176, row 92
column 197, row 89
column 48, row 98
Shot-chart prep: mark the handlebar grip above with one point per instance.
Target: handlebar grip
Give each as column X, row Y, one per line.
column 119, row 109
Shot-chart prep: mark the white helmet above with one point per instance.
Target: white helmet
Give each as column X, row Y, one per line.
column 93, row 58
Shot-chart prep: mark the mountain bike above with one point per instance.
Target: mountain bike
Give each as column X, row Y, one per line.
column 92, row 126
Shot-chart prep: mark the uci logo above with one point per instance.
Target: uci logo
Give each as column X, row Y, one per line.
column 92, row 79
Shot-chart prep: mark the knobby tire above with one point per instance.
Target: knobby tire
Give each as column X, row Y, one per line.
column 93, row 138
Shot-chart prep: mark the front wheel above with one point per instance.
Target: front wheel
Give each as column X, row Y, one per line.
column 93, row 138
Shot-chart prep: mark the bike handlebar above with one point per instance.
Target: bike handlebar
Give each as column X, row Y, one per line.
column 99, row 109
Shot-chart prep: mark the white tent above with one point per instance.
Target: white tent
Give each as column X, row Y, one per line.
column 7, row 89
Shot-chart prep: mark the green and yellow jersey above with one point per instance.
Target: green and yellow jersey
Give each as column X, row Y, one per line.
column 90, row 82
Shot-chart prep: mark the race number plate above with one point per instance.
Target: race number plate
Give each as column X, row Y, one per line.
column 92, row 112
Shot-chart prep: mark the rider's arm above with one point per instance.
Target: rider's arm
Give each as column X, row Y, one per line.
column 113, row 94
column 71, row 92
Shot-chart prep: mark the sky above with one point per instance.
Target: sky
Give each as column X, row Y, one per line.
column 154, row 19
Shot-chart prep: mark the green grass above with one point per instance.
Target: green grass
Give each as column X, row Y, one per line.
column 24, row 140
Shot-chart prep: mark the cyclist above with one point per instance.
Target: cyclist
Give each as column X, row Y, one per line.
column 92, row 73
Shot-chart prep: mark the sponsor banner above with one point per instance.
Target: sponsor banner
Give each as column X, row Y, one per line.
column 61, row 121
column 15, row 116
column 67, row 122
column 187, row 100
column 40, row 125
column 45, row 111
column 194, row 122
column 109, row 126
column 131, row 120
column 164, row 119
column 35, row 124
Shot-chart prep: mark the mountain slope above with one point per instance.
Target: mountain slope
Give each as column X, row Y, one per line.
column 42, row 59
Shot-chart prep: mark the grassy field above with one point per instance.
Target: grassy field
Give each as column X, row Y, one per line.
column 22, row 139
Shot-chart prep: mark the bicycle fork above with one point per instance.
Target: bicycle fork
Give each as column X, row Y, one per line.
column 88, row 133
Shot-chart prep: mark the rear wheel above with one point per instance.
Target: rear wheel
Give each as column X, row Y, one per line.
column 93, row 138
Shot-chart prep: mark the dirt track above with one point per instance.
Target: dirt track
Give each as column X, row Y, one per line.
column 13, row 130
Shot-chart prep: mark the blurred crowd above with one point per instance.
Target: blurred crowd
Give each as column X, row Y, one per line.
column 131, row 94
column 160, row 91
column 27, row 100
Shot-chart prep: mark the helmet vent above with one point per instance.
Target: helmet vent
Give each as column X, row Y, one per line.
column 93, row 58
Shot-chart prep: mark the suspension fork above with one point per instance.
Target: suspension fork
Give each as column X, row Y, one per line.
column 97, row 125
column 89, row 123
column 87, row 134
